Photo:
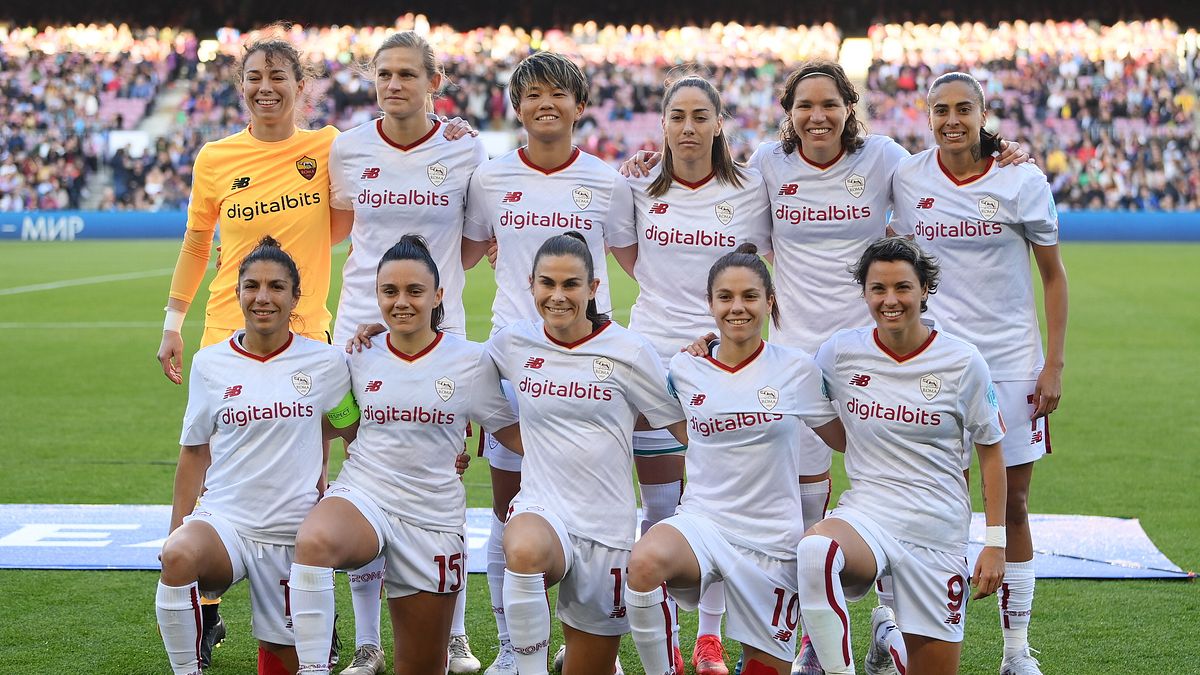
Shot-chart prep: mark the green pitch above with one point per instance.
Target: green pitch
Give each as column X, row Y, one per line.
column 87, row 417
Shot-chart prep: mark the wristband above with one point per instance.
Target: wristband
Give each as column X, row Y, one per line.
column 995, row 536
column 174, row 320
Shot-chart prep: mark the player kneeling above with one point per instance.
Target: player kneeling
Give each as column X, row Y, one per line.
column 907, row 394
column 736, row 522
column 258, row 407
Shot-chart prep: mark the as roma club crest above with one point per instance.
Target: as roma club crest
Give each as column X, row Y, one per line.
column 307, row 166
column 582, row 196
column 444, row 387
column 988, row 206
column 768, row 397
column 437, row 174
column 724, row 212
column 856, row 185
column 302, row 382
column 602, row 367
column 930, row 386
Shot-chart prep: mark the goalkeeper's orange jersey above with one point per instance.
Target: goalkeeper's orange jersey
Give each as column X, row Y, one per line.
column 245, row 188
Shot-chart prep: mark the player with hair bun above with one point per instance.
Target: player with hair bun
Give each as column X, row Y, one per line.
column 982, row 221
column 695, row 206
column 398, row 174
column 523, row 199
column 399, row 496
column 735, row 524
column 251, row 464
column 581, row 381
column 908, row 394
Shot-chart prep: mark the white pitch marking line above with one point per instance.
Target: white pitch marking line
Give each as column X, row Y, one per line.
column 86, row 281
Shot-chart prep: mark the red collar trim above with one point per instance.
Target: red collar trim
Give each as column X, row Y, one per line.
column 819, row 165
column 233, row 342
column 406, row 148
column 572, row 345
column 901, row 359
column 745, row 362
column 969, row 179
column 560, row 167
column 698, row 184
column 413, row 357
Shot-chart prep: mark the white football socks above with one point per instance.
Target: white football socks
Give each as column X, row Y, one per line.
column 528, row 616
column 823, row 604
column 814, row 497
column 650, row 624
column 495, row 576
column 1016, row 606
column 711, row 608
column 366, row 585
column 659, row 501
column 312, row 604
column 178, row 610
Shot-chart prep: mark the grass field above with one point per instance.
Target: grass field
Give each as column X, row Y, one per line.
column 87, row 417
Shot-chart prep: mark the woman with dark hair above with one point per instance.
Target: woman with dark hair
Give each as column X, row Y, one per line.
column 523, row 199
column 908, row 395
column 982, row 221
column 250, row 464
column 581, row 381
column 398, row 494
column 736, row 523
column 697, row 205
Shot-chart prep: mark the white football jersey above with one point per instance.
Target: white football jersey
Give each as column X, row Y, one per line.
column 680, row 235
column 578, row 405
column 824, row 218
column 396, row 190
column 741, row 461
column 261, row 418
column 415, row 411
column 523, row 205
column 905, row 417
column 980, row 231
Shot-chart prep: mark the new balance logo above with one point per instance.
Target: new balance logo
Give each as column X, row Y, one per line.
column 953, row 619
column 617, row 613
column 860, row 380
column 783, row 635
column 698, row 399
column 370, row 172
column 240, row 183
column 658, row 208
column 373, row 386
column 1037, row 438
column 511, row 198
column 788, row 189
column 926, row 203
column 235, row 390
column 535, row 362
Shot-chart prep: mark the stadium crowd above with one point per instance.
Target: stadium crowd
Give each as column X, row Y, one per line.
column 1108, row 111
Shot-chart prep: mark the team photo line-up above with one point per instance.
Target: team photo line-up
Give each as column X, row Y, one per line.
column 902, row 328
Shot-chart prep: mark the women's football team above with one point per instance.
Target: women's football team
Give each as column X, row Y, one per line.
column 567, row 401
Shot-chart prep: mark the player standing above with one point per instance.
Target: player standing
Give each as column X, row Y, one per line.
column 981, row 221
column 523, row 198
column 398, row 493
column 694, row 207
column 907, row 395
column 252, row 444
column 736, row 523
column 581, row 381
column 393, row 175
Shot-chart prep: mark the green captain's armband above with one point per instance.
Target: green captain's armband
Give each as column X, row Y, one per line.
column 345, row 413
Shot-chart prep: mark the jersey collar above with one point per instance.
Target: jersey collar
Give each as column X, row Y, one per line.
column 818, row 165
column 969, row 179
column 745, row 362
column 906, row 357
column 698, row 184
column 572, row 345
column 428, row 135
column 413, row 357
column 233, row 342
column 570, row 160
